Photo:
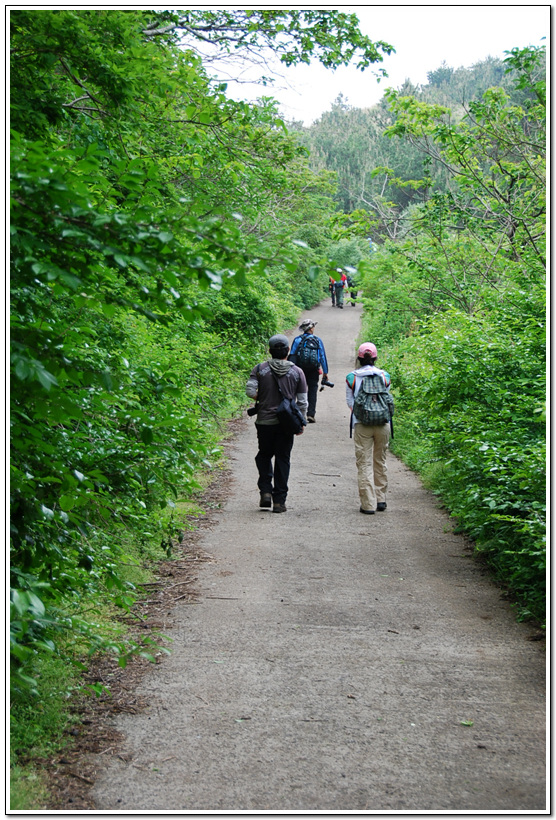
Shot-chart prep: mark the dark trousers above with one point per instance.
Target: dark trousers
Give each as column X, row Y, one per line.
column 312, row 377
column 277, row 445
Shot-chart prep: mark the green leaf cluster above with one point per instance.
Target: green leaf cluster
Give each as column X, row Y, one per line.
column 471, row 392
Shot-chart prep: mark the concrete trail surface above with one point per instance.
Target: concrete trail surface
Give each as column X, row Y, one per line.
column 336, row 662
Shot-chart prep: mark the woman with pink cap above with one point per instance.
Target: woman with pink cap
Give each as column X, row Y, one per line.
column 371, row 440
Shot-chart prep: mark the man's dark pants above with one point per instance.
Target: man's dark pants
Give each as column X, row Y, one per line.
column 312, row 377
column 273, row 443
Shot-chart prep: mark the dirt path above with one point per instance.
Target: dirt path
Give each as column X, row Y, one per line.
column 336, row 661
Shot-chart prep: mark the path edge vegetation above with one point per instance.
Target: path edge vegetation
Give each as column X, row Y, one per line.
column 131, row 243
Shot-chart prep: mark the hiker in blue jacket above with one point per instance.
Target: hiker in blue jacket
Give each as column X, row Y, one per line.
column 308, row 353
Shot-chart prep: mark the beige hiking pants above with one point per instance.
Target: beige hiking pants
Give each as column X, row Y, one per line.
column 371, row 446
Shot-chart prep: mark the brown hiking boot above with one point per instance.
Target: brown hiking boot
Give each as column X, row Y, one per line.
column 279, row 508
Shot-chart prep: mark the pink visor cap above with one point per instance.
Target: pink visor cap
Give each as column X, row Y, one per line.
column 367, row 347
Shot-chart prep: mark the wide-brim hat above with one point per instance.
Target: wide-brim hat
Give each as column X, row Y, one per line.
column 307, row 324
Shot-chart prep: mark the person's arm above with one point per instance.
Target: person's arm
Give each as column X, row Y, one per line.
column 295, row 345
column 322, row 359
column 252, row 386
column 350, row 390
column 301, row 396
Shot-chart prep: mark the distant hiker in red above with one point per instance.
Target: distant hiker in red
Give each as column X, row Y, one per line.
column 340, row 286
column 368, row 397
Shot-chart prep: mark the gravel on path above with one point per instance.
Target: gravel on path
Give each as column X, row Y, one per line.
column 336, row 662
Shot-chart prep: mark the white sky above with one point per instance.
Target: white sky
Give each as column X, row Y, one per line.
column 423, row 37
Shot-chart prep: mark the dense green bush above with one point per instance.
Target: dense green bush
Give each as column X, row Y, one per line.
column 160, row 233
column 457, row 307
column 470, row 395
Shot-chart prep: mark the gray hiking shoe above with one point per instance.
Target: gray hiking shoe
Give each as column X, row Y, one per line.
column 266, row 500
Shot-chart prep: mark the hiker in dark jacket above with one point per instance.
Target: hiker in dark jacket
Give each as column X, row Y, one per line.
column 274, row 443
column 353, row 291
column 308, row 353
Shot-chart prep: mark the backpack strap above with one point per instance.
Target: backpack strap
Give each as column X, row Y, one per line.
column 277, row 380
column 350, row 381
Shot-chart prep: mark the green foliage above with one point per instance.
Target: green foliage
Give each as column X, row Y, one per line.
column 160, row 234
column 457, row 306
column 473, row 387
column 496, row 158
column 383, row 177
column 28, row 789
column 346, row 226
column 38, row 729
column 442, row 75
column 332, row 37
column 40, row 726
column 348, row 252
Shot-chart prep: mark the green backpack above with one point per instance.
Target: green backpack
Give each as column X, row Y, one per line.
column 373, row 403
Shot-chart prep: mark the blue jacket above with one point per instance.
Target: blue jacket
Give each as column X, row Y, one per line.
column 322, row 355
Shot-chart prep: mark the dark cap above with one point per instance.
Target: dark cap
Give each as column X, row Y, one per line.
column 278, row 341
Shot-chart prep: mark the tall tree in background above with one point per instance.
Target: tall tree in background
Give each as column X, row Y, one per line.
column 385, row 176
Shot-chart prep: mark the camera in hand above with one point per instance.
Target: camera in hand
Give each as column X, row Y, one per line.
column 325, row 383
column 252, row 411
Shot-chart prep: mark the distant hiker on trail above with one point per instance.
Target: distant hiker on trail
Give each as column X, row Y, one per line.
column 352, row 289
column 332, row 289
column 268, row 384
column 340, row 285
column 368, row 397
column 308, row 353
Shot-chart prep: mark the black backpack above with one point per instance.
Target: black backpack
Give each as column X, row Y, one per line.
column 288, row 413
column 307, row 354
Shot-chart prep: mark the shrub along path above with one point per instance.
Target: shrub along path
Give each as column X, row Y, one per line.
column 336, row 661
